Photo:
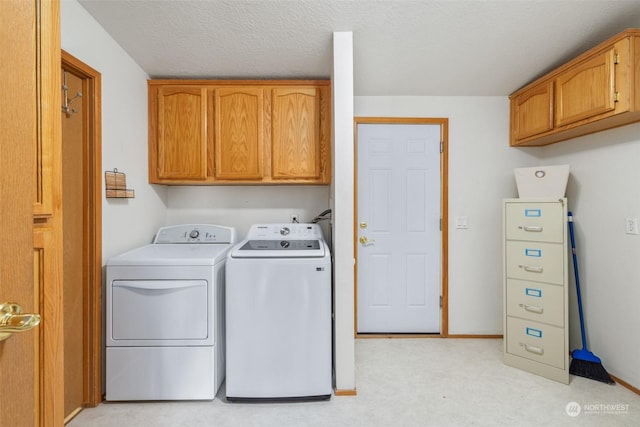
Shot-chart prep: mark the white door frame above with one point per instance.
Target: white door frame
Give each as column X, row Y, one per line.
column 444, row 207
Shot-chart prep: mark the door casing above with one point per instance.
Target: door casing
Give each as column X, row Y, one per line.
column 92, row 256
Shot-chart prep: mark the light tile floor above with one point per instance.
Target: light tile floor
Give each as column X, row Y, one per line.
column 408, row 382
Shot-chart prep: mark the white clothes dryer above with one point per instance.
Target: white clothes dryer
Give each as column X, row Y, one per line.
column 165, row 316
column 278, row 302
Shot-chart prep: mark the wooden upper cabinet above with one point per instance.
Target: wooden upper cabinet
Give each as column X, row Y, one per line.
column 239, row 132
column 598, row 90
column 180, row 149
column 295, row 146
column 588, row 89
column 238, row 137
column 532, row 111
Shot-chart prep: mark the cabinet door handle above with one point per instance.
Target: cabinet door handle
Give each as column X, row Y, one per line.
column 532, row 269
column 533, row 308
column 534, row 349
column 533, row 228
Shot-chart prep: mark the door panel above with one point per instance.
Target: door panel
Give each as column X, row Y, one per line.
column 30, row 269
column 18, row 361
column 399, row 242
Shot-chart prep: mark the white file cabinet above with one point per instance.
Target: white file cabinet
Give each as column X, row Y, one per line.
column 536, row 329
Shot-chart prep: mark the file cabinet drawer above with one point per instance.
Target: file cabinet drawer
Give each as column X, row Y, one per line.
column 535, row 301
column 540, row 262
column 540, row 222
column 536, row 341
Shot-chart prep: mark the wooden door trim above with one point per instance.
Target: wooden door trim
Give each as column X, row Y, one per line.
column 444, row 213
column 92, row 365
column 50, row 134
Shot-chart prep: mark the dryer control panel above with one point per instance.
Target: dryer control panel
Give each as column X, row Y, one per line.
column 195, row 233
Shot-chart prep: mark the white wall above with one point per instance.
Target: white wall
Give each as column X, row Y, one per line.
column 342, row 197
column 126, row 223
column 603, row 189
column 242, row 206
column 480, row 176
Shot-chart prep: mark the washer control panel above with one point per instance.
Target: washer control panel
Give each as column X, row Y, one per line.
column 289, row 231
column 195, row 233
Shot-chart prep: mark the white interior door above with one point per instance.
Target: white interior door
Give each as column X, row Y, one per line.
column 398, row 228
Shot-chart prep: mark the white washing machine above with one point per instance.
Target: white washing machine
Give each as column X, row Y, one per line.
column 278, row 302
column 165, row 316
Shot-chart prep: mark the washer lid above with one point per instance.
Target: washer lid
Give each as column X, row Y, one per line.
column 279, row 249
column 173, row 254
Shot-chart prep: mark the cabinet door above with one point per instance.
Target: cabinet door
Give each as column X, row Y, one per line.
column 181, row 133
column 532, row 112
column 586, row 90
column 295, row 145
column 238, row 137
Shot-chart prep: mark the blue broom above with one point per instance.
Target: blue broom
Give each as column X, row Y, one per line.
column 583, row 362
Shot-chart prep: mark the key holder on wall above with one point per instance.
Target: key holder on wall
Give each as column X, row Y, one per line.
column 116, row 185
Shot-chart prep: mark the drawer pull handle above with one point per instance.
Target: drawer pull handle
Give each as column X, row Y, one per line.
column 533, row 308
column 532, row 228
column 534, row 349
column 534, row 269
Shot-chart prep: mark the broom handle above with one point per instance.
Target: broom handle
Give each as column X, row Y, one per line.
column 575, row 270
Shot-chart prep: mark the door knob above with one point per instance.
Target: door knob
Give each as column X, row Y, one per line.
column 13, row 320
column 364, row 240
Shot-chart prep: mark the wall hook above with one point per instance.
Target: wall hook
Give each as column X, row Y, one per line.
column 66, row 101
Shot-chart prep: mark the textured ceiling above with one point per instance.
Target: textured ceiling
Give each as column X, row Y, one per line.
column 401, row 47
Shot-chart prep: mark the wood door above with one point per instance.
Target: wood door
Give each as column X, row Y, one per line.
column 180, row 145
column 295, row 144
column 587, row 90
column 398, row 219
column 532, row 112
column 239, row 137
column 30, row 272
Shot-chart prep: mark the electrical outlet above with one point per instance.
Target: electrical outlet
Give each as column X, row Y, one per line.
column 631, row 225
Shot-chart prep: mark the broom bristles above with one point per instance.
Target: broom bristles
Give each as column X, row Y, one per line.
column 591, row 370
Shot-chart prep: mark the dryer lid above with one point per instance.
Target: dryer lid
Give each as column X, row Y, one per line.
column 172, row 255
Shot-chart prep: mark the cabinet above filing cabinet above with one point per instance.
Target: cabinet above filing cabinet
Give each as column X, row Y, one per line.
column 597, row 90
column 207, row 132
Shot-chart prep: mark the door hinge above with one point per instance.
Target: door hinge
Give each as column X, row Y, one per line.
column 441, row 147
column 440, row 301
column 616, row 58
column 440, row 224
column 616, row 96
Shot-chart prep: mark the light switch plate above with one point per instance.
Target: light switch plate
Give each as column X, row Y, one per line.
column 462, row 222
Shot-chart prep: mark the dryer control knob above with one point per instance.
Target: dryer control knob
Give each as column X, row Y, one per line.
column 285, row 230
column 194, row 234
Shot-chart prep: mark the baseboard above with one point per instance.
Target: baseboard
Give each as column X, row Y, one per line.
column 351, row 392
column 393, row 336
column 484, row 336
column 625, row 384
